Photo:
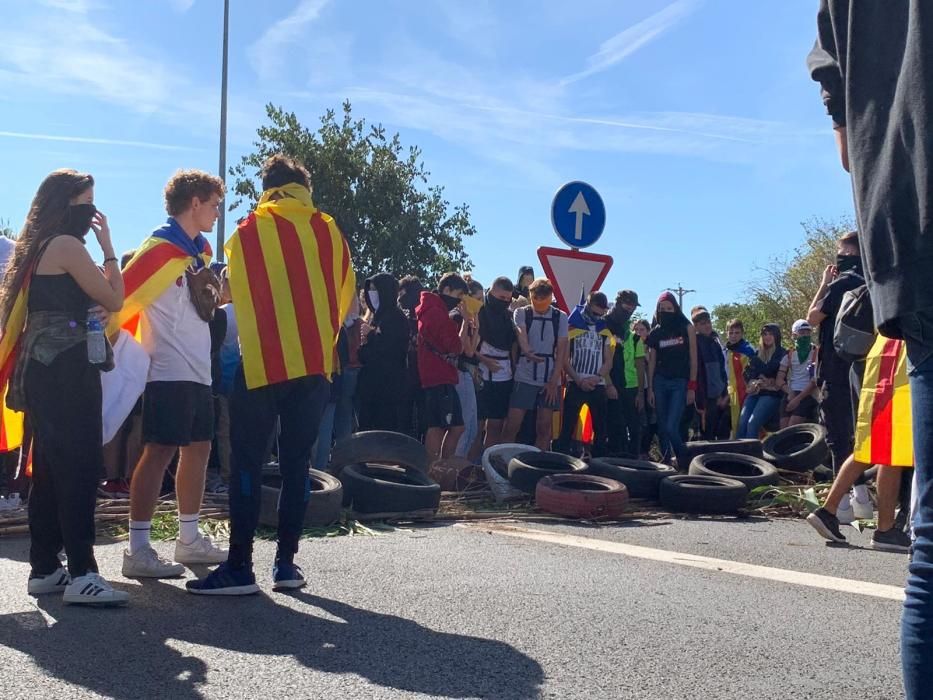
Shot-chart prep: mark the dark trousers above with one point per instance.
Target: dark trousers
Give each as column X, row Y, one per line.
column 298, row 405
column 63, row 404
column 574, row 400
column 624, row 425
column 712, row 420
column 837, row 415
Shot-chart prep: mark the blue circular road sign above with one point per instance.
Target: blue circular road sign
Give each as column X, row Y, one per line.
column 578, row 214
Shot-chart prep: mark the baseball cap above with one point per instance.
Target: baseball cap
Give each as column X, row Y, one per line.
column 627, row 296
column 800, row 326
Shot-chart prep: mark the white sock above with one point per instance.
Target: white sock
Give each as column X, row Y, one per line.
column 187, row 528
column 139, row 535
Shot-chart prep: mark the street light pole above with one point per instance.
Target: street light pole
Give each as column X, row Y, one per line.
column 221, row 221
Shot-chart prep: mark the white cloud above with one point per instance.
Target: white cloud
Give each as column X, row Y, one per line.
column 81, row 7
column 630, row 40
column 269, row 54
column 181, row 6
column 89, row 140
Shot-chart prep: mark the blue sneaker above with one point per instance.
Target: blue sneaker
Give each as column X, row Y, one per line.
column 286, row 576
column 226, row 580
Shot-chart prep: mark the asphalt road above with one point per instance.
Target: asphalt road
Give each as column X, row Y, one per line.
column 471, row 612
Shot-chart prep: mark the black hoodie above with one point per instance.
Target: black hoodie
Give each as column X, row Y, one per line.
column 873, row 61
column 520, row 291
column 758, row 369
column 384, row 354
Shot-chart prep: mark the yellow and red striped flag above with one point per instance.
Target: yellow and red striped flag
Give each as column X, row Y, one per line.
column 12, row 422
column 292, row 282
column 884, row 431
column 158, row 262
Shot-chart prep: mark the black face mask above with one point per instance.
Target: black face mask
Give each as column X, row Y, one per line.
column 495, row 304
column 844, row 263
column 667, row 318
column 409, row 299
column 450, row 302
column 78, row 220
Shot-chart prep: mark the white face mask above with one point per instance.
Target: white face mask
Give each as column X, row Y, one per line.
column 373, row 299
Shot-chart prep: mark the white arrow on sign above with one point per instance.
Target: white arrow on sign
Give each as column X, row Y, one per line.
column 580, row 209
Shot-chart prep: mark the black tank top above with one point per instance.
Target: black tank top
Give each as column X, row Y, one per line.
column 58, row 293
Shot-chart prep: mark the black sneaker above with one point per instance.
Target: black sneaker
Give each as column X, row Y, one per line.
column 826, row 524
column 226, row 580
column 892, row 540
column 286, row 576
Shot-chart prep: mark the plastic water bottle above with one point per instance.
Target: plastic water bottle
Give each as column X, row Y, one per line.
column 96, row 345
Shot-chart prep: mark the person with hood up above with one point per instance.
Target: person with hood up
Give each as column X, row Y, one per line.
column 672, row 373
column 439, row 346
column 588, row 366
column 383, row 354
column 765, row 386
column 520, row 293
column 628, row 371
column 411, row 418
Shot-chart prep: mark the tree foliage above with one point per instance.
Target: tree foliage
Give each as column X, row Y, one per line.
column 377, row 191
column 6, row 231
column 783, row 290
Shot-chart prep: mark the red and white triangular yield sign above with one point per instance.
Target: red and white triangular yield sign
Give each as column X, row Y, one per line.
column 573, row 272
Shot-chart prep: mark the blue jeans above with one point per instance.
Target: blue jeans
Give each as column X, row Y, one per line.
column 466, row 392
column 917, row 621
column 670, row 399
column 756, row 412
column 337, row 421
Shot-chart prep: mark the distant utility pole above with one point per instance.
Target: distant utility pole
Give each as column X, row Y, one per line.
column 221, row 221
column 681, row 293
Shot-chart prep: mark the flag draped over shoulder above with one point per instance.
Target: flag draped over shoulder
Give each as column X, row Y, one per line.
column 578, row 325
column 737, row 359
column 292, row 283
column 12, row 422
column 159, row 261
column 884, row 431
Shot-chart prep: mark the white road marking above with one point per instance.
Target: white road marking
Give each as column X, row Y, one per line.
column 800, row 578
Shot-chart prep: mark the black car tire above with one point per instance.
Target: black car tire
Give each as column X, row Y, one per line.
column 641, row 477
column 736, row 447
column 750, row 471
column 377, row 488
column 379, row 447
column 325, row 504
column 798, row 448
column 685, row 493
column 526, row 469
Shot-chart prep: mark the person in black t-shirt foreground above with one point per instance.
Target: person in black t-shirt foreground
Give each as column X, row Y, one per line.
column 672, row 373
column 832, row 371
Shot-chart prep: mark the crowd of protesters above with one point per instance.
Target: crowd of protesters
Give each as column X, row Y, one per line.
column 236, row 368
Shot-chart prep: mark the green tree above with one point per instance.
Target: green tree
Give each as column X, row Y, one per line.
column 376, row 190
column 783, row 290
column 6, row 230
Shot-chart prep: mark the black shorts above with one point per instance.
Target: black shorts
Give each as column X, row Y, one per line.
column 178, row 413
column 493, row 400
column 442, row 407
column 806, row 409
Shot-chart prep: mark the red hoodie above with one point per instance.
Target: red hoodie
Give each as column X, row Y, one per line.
column 437, row 336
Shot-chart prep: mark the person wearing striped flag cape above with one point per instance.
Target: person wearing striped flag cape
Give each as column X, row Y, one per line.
column 170, row 300
column 293, row 283
column 883, row 437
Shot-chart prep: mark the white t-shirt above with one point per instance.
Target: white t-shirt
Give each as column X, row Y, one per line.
column 798, row 378
column 503, row 357
column 176, row 338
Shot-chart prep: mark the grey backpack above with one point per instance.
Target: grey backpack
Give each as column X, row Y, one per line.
column 854, row 333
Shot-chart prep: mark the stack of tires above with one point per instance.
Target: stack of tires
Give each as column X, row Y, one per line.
column 799, row 448
column 384, row 475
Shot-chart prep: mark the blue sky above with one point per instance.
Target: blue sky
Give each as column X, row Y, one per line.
column 696, row 120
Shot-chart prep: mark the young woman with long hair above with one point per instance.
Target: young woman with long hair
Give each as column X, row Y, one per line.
column 54, row 382
column 765, row 387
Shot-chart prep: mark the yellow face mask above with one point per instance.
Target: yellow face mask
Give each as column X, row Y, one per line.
column 542, row 305
column 471, row 305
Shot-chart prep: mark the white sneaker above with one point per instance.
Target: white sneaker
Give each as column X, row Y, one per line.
column 146, row 563
column 201, row 551
column 92, row 589
column 55, row 582
column 844, row 513
column 861, row 503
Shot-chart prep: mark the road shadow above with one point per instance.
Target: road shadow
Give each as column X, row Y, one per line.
column 126, row 653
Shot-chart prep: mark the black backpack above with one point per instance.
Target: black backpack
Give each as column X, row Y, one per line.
column 854, row 333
